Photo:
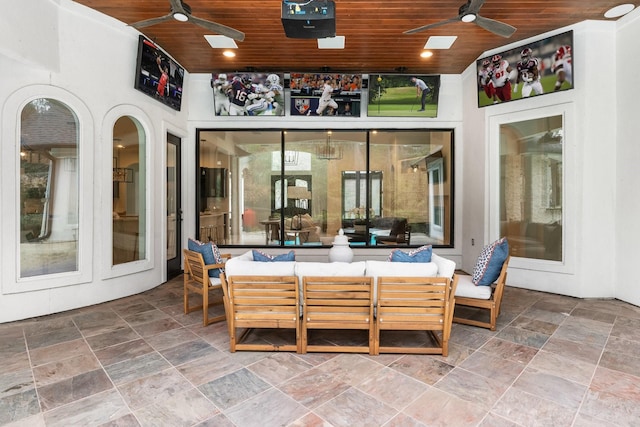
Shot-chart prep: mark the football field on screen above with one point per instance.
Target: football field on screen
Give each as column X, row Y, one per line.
column 400, row 102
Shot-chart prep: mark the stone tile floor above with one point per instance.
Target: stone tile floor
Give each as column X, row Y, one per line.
column 554, row 361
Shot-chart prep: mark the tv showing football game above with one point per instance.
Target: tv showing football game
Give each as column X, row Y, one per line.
column 325, row 94
column 248, row 94
column 158, row 75
column 538, row 68
column 403, row 95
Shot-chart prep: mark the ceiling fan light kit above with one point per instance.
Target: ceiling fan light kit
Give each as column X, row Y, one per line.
column 469, row 17
column 181, row 11
column 469, row 12
column 180, row 17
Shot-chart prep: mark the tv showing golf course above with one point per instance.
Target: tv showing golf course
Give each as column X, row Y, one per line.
column 403, row 95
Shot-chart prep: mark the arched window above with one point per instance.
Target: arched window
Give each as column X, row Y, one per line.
column 129, row 191
column 49, row 188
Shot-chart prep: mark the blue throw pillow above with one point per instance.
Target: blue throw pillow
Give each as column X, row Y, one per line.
column 210, row 254
column 421, row 254
column 489, row 263
column 263, row 257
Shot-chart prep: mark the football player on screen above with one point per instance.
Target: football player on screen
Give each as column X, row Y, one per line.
column 484, row 81
column 220, row 87
column 529, row 73
column 276, row 93
column 500, row 77
column 259, row 101
column 238, row 95
column 562, row 66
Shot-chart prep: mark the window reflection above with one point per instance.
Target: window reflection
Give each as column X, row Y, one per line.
column 531, row 187
column 129, row 191
column 299, row 188
column 48, row 188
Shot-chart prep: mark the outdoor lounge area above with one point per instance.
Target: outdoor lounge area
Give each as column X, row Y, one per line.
column 141, row 361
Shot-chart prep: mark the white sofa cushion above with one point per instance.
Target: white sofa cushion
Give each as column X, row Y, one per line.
column 466, row 288
column 397, row 269
column 241, row 266
column 446, row 267
column 329, row 269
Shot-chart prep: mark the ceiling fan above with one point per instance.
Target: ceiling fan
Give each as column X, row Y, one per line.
column 468, row 12
column 181, row 11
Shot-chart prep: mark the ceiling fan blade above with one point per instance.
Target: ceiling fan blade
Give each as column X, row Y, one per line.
column 176, row 6
column 496, row 27
column 474, row 6
column 430, row 26
column 218, row 28
column 152, row 21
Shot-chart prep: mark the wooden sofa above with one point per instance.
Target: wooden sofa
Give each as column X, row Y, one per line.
column 406, row 297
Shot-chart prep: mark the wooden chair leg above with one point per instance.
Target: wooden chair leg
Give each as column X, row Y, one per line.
column 205, row 306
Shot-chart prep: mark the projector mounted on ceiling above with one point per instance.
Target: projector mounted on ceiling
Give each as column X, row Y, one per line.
column 315, row 19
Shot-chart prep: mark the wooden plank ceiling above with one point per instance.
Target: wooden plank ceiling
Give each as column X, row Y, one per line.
column 373, row 29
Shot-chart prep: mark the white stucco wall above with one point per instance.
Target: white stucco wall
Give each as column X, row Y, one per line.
column 64, row 50
column 627, row 206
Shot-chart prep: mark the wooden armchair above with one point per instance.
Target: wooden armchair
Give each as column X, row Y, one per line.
column 338, row 303
column 197, row 280
column 268, row 302
column 415, row 304
column 492, row 304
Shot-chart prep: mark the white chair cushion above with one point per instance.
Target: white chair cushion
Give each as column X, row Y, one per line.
column 214, row 281
column 467, row 289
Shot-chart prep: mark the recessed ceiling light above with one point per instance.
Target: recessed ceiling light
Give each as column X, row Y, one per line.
column 618, row 11
column 221, row 42
column 440, row 42
column 229, row 53
column 336, row 42
column 426, row 54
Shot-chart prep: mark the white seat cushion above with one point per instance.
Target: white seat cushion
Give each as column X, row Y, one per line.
column 467, row 289
column 214, row 281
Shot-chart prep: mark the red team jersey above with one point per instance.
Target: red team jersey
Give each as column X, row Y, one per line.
column 162, row 83
column 501, row 81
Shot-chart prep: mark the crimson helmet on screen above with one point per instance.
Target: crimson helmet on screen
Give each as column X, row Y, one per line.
column 526, row 53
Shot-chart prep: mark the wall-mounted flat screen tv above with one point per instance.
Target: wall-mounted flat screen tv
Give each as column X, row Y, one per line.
column 325, row 94
column 158, row 75
column 248, row 94
column 537, row 68
column 403, row 95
